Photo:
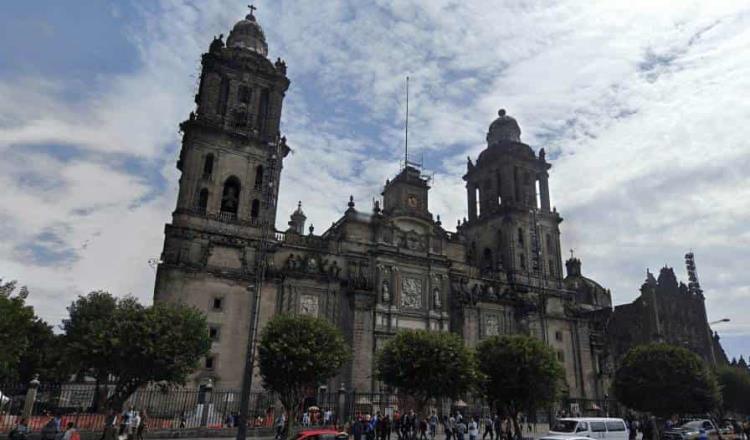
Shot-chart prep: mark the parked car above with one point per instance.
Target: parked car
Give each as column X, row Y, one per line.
column 321, row 434
column 602, row 428
column 691, row 431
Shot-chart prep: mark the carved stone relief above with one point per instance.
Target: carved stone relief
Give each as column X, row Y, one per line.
column 308, row 305
column 411, row 293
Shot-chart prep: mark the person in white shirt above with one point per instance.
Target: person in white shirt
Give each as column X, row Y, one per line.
column 473, row 429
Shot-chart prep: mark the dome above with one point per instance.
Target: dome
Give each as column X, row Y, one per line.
column 248, row 34
column 504, row 128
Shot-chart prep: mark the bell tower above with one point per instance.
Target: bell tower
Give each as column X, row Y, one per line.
column 511, row 227
column 230, row 164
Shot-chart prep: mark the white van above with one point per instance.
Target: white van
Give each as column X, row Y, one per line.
column 602, row 428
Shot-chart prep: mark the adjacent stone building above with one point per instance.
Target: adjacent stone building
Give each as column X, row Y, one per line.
column 666, row 311
column 378, row 269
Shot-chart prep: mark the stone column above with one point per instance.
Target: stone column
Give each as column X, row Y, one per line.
column 28, row 405
column 341, row 417
column 207, row 390
column 544, row 192
column 362, row 339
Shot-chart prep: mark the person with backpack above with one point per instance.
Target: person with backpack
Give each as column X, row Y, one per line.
column 460, row 429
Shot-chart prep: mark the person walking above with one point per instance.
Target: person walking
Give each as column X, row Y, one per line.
column 447, row 427
column 384, row 428
column 143, row 425
column 433, row 422
column 51, row 429
column 397, row 424
column 474, row 429
column 20, row 431
column 71, row 433
column 488, row 427
column 280, row 423
column 423, row 429
column 358, row 428
column 460, row 429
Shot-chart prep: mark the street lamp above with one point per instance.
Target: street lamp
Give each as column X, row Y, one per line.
column 719, row 321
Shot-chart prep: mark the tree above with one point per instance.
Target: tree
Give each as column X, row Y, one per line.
column 45, row 355
column 426, row 365
column 296, row 354
column 735, row 387
column 518, row 373
column 121, row 340
column 664, row 380
column 20, row 334
column 162, row 344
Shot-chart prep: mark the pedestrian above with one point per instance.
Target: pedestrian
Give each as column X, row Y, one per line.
column 280, row 423
column 460, row 429
column 143, row 424
column 384, row 428
column 397, row 424
column 20, row 431
column 433, row 425
column 71, row 433
column 51, row 429
column 446, row 427
column 423, row 429
column 473, row 428
column 369, row 427
column 358, row 429
column 488, row 427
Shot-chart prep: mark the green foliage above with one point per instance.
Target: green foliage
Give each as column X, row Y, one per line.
column 298, row 353
column 89, row 333
column 664, row 380
column 518, row 373
column 135, row 345
column 426, row 365
column 28, row 344
column 45, row 356
column 735, row 388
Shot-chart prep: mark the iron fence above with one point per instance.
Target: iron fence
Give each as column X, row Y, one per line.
column 186, row 408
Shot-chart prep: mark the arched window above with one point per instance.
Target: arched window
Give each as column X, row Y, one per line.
column 259, row 177
column 487, row 259
column 230, row 197
column 538, row 193
column 551, row 265
column 208, row 165
column 478, row 200
column 522, row 261
column 255, row 209
column 223, row 96
column 520, row 236
column 203, row 200
column 263, row 106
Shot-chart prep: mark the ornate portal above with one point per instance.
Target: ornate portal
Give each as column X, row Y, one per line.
column 411, row 293
column 308, row 305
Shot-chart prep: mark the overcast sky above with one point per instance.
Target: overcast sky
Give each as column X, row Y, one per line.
column 642, row 107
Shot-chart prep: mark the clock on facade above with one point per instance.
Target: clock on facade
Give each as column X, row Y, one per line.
column 412, row 201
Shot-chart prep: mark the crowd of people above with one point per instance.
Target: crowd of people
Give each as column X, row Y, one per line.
column 409, row 426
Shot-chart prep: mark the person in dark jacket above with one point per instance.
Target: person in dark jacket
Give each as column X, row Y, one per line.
column 358, row 428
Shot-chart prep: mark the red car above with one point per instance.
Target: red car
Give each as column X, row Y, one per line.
column 322, row 434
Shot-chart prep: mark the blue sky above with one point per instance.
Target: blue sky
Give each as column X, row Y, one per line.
column 641, row 105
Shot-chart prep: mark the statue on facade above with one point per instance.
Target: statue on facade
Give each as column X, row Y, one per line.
column 436, row 301
column 216, row 44
column 386, row 292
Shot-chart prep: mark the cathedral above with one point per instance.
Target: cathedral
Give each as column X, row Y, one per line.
column 378, row 269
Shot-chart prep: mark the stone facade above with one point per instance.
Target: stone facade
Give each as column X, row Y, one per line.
column 666, row 311
column 377, row 269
